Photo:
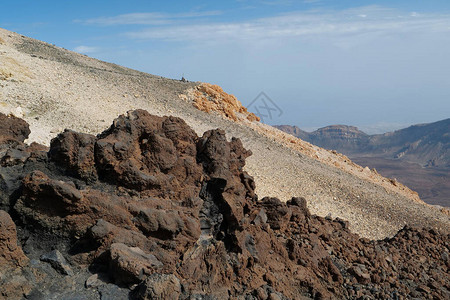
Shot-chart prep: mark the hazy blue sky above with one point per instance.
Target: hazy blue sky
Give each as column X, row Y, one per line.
column 373, row 64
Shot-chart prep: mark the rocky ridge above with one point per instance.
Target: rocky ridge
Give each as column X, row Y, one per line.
column 417, row 156
column 425, row 144
column 149, row 210
column 212, row 98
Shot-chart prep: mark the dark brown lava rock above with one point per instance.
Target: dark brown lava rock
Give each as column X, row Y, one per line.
column 149, row 210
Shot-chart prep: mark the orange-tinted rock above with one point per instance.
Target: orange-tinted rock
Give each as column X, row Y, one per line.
column 159, row 286
column 129, row 264
column 210, row 97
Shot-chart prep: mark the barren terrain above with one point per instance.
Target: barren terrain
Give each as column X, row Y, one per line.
column 54, row 89
column 432, row 184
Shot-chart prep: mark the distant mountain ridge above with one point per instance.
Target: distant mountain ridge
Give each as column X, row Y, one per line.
column 425, row 144
column 417, row 156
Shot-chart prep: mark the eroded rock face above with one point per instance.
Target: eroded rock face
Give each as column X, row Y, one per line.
column 13, row 131
column 75, row 151
column 156, row 211
column 149, row 154
column 10, row 253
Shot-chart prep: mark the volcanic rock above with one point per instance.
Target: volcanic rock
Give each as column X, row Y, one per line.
column 159, row 286
column 164, row 213
column 13, row 127
column 58, row 262
column 75, row 151
column 10, row 253
column 128, row 264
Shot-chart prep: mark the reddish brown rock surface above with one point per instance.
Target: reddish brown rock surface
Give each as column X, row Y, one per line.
column 10, row 253
column 156, row 212
column 13, row 127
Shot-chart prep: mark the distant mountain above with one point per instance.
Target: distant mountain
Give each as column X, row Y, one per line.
column 425, row 144
column 295, row 131
column 339, row 137
column 417, row 156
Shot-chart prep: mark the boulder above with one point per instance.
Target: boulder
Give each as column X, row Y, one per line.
column 127, row 265
column 59, row 206
column 159, row 223
column 14, row 128
column 149, row 153
column 159, row 287
column 75, row 152
column 58, row 262
column 300, row 211
column 278, row 213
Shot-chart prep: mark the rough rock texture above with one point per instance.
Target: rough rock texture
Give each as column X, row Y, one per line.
column 10, row 253
column 211, row 98
column 12, row 259
column 159, row 286
column 13, row 127
column 58, row 262
column 149, row 210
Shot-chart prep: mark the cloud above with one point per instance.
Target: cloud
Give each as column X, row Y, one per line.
column 371, row 20
column 147, row 18
column 86, row 49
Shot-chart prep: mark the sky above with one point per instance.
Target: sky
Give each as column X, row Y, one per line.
column 377, row 65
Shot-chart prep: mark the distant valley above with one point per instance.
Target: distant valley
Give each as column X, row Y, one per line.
column 417, row 156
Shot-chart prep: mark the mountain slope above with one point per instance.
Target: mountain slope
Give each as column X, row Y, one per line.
column 418, row 156
column 425, row 144
column 344, row 138
column 53, row 89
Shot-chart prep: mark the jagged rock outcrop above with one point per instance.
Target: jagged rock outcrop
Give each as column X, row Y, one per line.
column 212, row 98
column 149, row 210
